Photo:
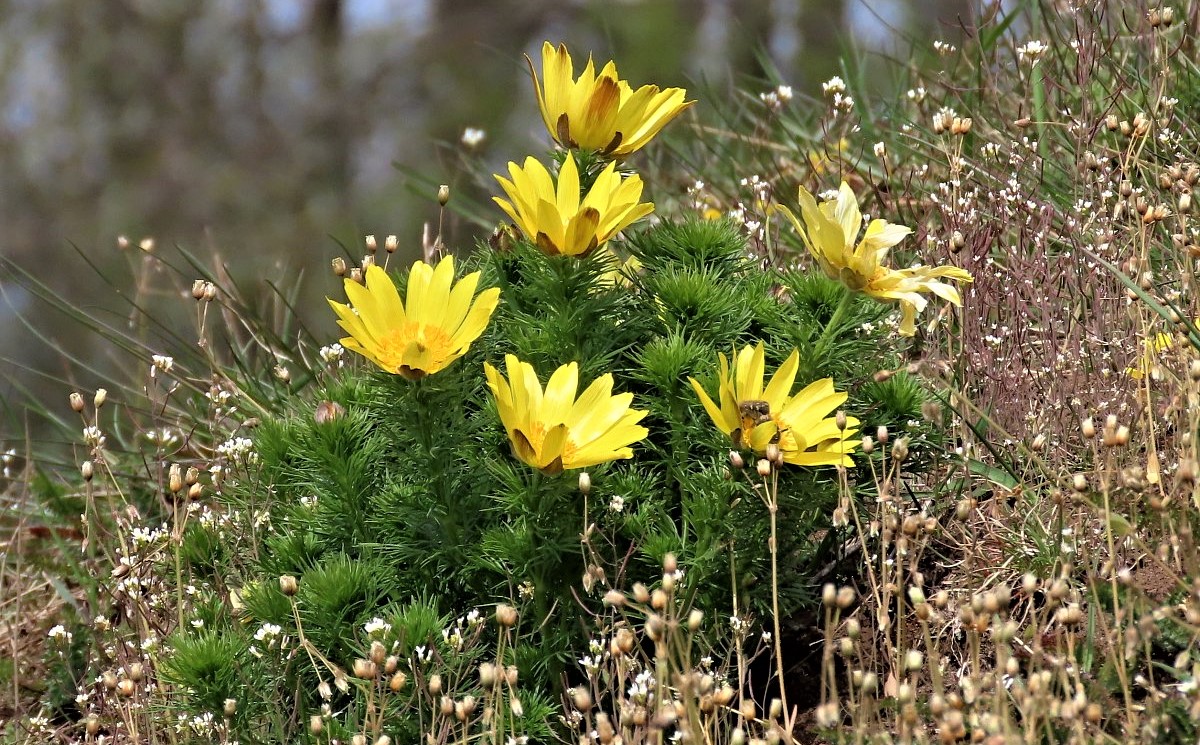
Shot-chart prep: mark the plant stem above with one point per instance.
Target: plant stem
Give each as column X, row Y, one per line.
column 835, row 320
column 772, row 490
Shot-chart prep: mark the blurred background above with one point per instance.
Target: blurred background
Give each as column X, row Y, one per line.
column 268, row 135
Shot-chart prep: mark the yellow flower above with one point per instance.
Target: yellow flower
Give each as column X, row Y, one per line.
column 551, row 430
column 556, row 219
column 1152, row 351
column 830, row 231
column 600, row 112
column 754, row 416
column 423, row 335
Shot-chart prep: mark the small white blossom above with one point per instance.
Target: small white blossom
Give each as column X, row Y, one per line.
column 834, row 85
column 332, row 353
column 60, row 634
column 268, row 634
column 161, row 362
column 93, row 437
column 377, row 627
column 472, row 136
column 238, row 450
column 1031, row 51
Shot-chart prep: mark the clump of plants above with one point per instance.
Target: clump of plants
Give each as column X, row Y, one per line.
column 743, row 464
column 414, row 537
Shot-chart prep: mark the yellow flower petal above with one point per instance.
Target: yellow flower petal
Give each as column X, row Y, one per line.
column 800, row 425
column 551, row 429
column 830, row 231
column 557, row 219
column 600, row 111
column 423, row 334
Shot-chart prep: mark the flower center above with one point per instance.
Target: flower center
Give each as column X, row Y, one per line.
column 535, row 438
column 417, row 346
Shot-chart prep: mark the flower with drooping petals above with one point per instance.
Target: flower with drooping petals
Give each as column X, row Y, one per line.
column 551, row 430
column 754, row 416
column 830, row 230
column 422, row 335
column 600, row 112
column 554, row 216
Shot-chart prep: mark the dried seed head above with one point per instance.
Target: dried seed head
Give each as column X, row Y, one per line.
column 775, row 710
column 76, row 402
column 469, row 704
column 391, row 243
column 846, row 647
column 655, row 627
column 1089, row 428
column 640, row 593
column 670, row 564
column 845, row 597
column 487, row 675
column 585, row 483
column 87, row 470
column 397, row 682
column 870, row 681
column 229, row 708
column 100, row 397
column 623, row 640
column 747, row 709
column 829, row 595
column 695, row 618
column 738, row 463
column 289, row 585
column 339, row 266
column 443, row 194
column 774, row 455
column 506, row 615
column 581, row 699
column 377, row 652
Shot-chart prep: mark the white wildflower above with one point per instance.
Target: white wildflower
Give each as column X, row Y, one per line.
column 472, row 136
column 834, row 85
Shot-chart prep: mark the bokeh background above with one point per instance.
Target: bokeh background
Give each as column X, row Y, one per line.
column 268, row 134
